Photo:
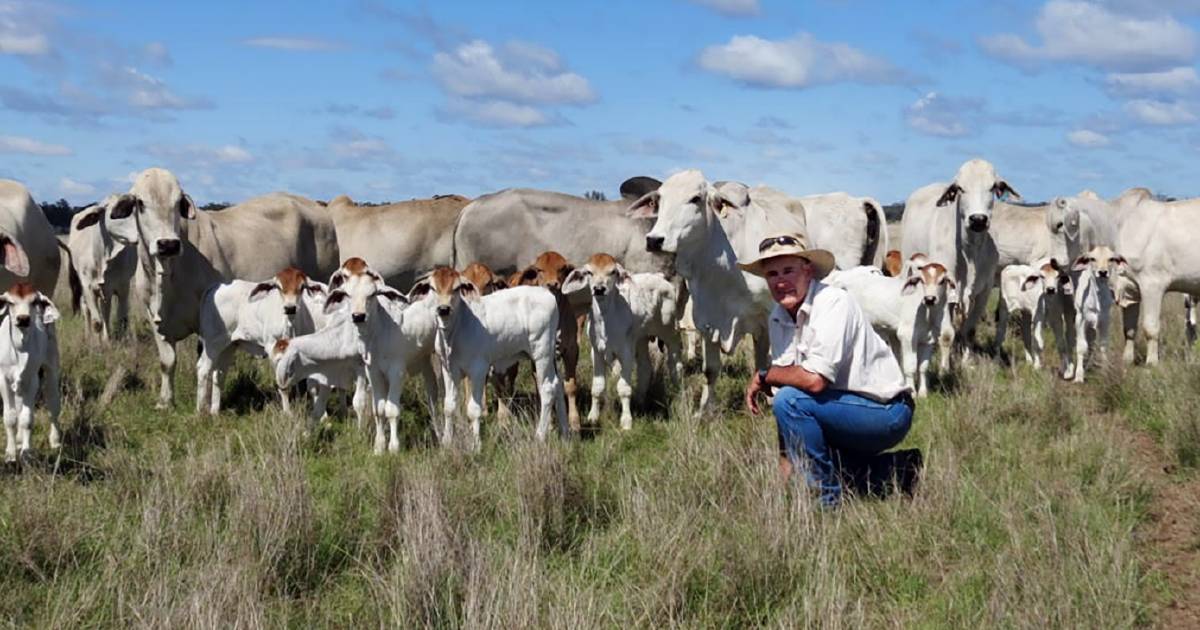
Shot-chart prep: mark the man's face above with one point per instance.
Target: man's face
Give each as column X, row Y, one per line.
column 788, row 278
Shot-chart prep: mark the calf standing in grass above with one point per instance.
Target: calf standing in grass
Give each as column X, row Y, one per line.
column 28, row 359
column 1032, row 292
column 549, row 270
column 627, row 312
column 911, row 311
column 1093, row 302
column 251, row 316
column 476, row 333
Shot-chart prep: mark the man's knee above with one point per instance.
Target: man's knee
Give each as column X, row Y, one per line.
column 790, row 401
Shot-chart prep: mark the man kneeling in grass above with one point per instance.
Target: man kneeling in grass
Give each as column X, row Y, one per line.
column 840, row 396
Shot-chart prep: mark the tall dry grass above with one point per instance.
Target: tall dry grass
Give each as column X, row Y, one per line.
column 1026, row 515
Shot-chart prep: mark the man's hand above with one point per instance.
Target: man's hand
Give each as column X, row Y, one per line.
column 753, row 389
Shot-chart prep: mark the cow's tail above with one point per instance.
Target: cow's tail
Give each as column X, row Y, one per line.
column 72, row 279
column 877, row 236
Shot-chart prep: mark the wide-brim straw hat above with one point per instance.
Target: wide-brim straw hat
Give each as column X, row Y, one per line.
column 789, row 245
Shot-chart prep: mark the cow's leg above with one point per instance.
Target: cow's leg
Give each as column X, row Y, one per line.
column 204, row 370
column 1189, row 319
column 945, row 342
column 551, row 397
column 121, row 321
column 1129, row 325
column 320, row 402
column 625, row 363
column 1027, row 338
column 221, row 363
column 449, row 405
column 712, row 369
column 361, row 400
column 505, row 384
column 924, row 352
column 105, row 312
column 644, row 370
column 378, row 387
column 429, row 380
column 674, row 355
column 1081, row 348
column 475, row 408
column 1152, row 299
column 395, row 386
column 166, row 370
column 51, row 394
column 26, row 395
column 908, row 360
column 599, row 372
column 1002, row 316
column 10, row 421
column 570, row 358
column 1039, row 342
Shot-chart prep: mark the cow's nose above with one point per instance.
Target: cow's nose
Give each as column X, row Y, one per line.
column 931, row 299
column 289, row 309
column 1102, row 274
column 22, row 321
column 168, row 246
column 977, row 223
column 1050, row 290
column 358, row 318
column 654, row 243
column 443, row 311
column 597, row 290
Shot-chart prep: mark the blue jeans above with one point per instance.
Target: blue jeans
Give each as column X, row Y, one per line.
column 838, row 432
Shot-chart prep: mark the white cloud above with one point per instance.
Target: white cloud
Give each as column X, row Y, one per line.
column 1087, row 139
column 937, row 115
column 144, row 91
column 29, row 146
column 798, row 62
column 1091, row 34
column 730, row 7
column 71, row 188
column 520, row 73
column 21, row 31
column 498, row 113
column 1159, row 113
column 293, row 43
column 199, row 155
column 1180, row 80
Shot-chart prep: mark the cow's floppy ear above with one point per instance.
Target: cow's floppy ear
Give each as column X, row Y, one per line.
column 336, row 279
column 727, row 196
column 530, row 275
column 420, row 290
column 391, row 294
column 315, row 288
column 497, row 284
column 644, row 208
column 1030, row 282
column 467, row 290
column 124, row 206
column 950, row 195
column 623, row 275
column 15, row 259
column 910, row 285
column 1081, row 263
column 186, row 207
column 335, row 298
column 577, row 280
column 262, row 289
column 1001, row 188
column 50, row 314
column 89, row 217
column 951, row 291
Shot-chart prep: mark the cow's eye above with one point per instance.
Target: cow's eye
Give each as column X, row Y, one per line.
column 695, row 200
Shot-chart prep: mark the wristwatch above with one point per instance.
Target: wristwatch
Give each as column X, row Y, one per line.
column 762, row 378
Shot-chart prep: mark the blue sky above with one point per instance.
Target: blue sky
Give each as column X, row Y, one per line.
column 394, row 100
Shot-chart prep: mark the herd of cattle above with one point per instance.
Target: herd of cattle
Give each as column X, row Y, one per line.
column 453, row 288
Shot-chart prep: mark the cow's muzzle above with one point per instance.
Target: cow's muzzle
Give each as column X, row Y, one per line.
column 977, row 223
column 1102, row 274
column 930, row 300
column 1051, row 290
column 443, row 311
column 289, row 309
column 22, row 321
column 654, row 243
column 599, row 291
column 358, row 318
column 167, row 247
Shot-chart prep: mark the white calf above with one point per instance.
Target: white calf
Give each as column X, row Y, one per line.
column 104, row 268
column 910, row 312
column 1028, row 292
column 627, row 311
column 251, row 316
column 476, row 333
column 28, row 358
column 327, row 358
column 1093, row 302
